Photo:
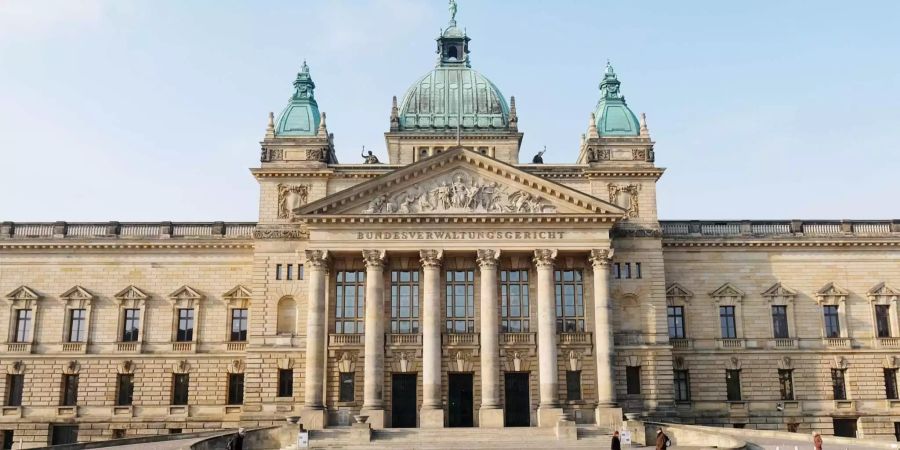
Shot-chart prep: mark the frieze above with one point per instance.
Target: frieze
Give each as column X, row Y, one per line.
column 457, row 235
column 459, row 193
column 636, row 232
column 280, row 233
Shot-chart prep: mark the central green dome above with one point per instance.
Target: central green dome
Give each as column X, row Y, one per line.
column 453, row 94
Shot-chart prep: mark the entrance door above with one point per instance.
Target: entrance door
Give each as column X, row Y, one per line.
column 517, row 412
column 403, row 400
column 460, row 396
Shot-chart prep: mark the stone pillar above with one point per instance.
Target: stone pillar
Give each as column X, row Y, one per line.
column 314, row 408
column 607, row 415
column 491, row 412
column 432, row 413
column 373, row 385
column 549, row 411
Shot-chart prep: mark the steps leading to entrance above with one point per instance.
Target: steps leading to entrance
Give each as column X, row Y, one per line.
column 461, row 438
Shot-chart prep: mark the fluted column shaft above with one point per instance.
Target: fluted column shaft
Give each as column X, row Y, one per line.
column 490, row 329
column 373, row 383
column 547, row 369
column 603, row 329
column 317, row 262
column 431, row 329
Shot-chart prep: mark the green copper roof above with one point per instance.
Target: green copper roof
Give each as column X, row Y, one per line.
column 301, row 116
column 614, row 118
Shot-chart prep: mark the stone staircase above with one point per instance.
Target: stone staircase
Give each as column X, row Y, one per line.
column 460, row 438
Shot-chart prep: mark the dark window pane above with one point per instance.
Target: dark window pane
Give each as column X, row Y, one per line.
column 130, row 324
column 573, row 384
column 682, row 386
column 239, row 324
column 890, row 384
column 69, row 390
column 780, row 322
column 832, row 321
column 235, row 389
column 180, row 387
column 883, row 320
column 286, row 382
column 727, row 322
column 786, row 383
column 124, row 389
column 346, row 392
column 15, row 384
column 633, row 380
column 733, row 385
column 837, row 384
column 185, row 325
column 23, row 325
column 676, row 321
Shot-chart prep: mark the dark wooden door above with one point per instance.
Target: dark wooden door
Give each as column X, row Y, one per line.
column 517, row 412
column 403, row 400
column 460, row 396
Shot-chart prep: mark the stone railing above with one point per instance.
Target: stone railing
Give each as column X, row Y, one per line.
column 517, row 338
column 465, row 339
column 839, row 342
column 574, row 338
column 337, row 340
column 404, row 339
column 125, row 230
column 779, row 228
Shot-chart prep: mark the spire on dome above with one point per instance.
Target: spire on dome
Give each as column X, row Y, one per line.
column 613, row 117
column 301, row 116
column 453, row 44
column 513, row 117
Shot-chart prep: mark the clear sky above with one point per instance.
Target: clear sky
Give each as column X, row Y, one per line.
column 153, row 109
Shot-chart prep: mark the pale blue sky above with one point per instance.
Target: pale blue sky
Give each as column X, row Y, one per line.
column 152, row 110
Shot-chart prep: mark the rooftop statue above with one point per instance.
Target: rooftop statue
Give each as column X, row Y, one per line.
column 369, row 158
column 452, row 10
column 539, row 158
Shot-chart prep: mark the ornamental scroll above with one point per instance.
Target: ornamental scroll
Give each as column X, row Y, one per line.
column 459, row 193
column 625, row 196
column 290, row 198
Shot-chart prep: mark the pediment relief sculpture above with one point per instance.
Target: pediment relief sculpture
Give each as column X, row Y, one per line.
column 22, row 295
column 459, row 192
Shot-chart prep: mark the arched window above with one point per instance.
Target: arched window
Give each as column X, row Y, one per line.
column 452, row 53
column 287, row 316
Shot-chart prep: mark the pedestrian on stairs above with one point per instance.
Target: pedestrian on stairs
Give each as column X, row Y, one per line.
column 662, row 441
column 237, row 441
column 817, row 440
column 616, row 444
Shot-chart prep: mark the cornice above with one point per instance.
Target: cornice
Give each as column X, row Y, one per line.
column 30, row 245
column 458, row 219
column 718, row 243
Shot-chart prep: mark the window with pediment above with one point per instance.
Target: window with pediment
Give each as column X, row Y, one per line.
column 23, row 306
column 833, row 302
column 186, row 314
column 77, row 316
column 238, row 302
column 781, row 301
column 728, row 299
column 132, row 310
column 884, row 309
column 677, row 299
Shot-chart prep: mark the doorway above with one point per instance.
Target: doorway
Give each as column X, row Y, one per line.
column 517, row 412
column 403, row 400
column 460, row 396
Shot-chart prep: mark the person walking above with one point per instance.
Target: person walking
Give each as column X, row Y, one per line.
column 662, row 441
column 237, row 441
column 817, row 440
column 616, row 443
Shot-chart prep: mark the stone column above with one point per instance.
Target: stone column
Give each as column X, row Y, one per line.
column 432, row 413
column 491, row 412
column 373, row 384
column 549, row 411
column 314, row 408
column 608, row 415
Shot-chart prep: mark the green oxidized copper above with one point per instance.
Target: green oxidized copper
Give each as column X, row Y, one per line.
column 453, row 93
column 613, row 116
column 301, row 116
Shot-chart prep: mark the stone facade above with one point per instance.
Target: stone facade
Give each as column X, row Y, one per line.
column 450, row 286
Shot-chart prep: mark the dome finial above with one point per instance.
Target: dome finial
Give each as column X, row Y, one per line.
column 609, row 68
column 513, row 117
column 592, row 128
column 453, row 9
column 323, row 129
column 304, row 68
column 395, row 115
column 270, row 127
column 644, row 130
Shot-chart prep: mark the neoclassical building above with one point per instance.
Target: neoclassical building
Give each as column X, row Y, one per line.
column 456, row 283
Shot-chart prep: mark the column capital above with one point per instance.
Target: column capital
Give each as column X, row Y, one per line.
column 317, row 258
column 487, row 258
column 431, row 258
column 373, row 258
column 600, row 257
column 544, row 257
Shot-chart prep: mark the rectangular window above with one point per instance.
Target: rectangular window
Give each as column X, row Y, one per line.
column 514, row 304
column 883, row 320
column 300, row 273
column 617, row 271
column 131, row 320
column 890, row 384
column 235, row 389
column 733, row 385
column 285, row 382
column 837, row 384
column 8, row 439
column 727, row 322
column 77, row 325
column 346, row 392
column 63, row 434
column 15, row 385
column 573, row 384
column 786, row 382
column 350, row 302
column 405, row 301
column 569, row 286
column 626, row 270
column 181, row 383
column 460, row 301
column 185, row 325
column 637, row 270
column 682, row 386
column 290, row 271
column 277, row 271
column 23, row 325
column 675, row 315
column 69, row 395
column 633, row 380
column 780, row 322
column 239, row 324
column 124, row 389
column 832, row 321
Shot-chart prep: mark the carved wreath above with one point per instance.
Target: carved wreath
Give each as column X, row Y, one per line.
column 290, row 198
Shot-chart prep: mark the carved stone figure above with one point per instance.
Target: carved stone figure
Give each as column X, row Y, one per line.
column 369, row 158
column 539, row 158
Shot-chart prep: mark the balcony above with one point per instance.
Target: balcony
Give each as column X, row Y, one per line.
column 236, row 346
column 461, row 339
column 517, row 339
column 74, row 347
column 681, row 344
column 887, row 342
column 18, row 347
column 345, row 340
column 183, row 347
column 730, row 344
column 400, row 339
column 574, row 338
column 839, row 342
column 128, row 347
column 784, row 343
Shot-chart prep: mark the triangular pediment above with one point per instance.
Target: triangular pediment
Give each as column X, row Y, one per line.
column 882, row 290
column 460, row 182
column 239, row 292
column 77, row 293
column 676, row 290
column 22, row 293
column 831, row 290
column 185, row 293
column 779, row 290
column 727, row 290
column 131, row 293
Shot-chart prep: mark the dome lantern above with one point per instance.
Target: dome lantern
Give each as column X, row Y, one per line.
column 612, row 115
column 301, row 116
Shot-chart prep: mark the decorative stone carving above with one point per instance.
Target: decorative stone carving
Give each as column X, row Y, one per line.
column 404, row 363
column 271, row 154
column 676, row 292
column 277, row 233
column 317, row 258
column 601, row 257
column 236, row 366
column 890, row 362
column 181, row 367
column 778, row 293
column 22, row 297
column 286, row 363
column 785, row 363
column 238, row 297
column 131, row 297
column 727, row 294
column 373, row 258
column 431, row 258
column 487, row 257
column 733, row 363
column 679, row 363
column 125, row 367
column 573, row 362
column 461, row 362
column 517, row 361
column 16, row 368
column 459, row 193
column 839, row 362
column 347, row 362
column 77, row 297
column 633, row 361
column 185, row 297
column 625, row 196
column 290, row 198
column 831, row 294
column 883, row 294
column 72, row 368
column 544, row 257
column 315, row 154
column 639, row 154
